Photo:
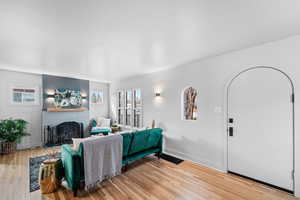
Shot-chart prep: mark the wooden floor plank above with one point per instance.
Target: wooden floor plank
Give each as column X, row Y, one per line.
column 148, row 178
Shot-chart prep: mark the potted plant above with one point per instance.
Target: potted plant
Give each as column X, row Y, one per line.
column 11, row 132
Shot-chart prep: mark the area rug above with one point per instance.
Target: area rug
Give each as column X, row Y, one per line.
column 34, row 168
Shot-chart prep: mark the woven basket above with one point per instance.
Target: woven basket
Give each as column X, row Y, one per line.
column 8, row 147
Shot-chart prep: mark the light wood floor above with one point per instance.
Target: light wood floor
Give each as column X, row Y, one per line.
column 148, row 178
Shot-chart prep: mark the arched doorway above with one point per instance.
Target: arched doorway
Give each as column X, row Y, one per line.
column 260, row 124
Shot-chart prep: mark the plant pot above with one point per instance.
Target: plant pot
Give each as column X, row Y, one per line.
column 8, row 147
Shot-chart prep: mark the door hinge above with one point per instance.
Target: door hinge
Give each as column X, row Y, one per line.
column 293, row 98
column 293, row 174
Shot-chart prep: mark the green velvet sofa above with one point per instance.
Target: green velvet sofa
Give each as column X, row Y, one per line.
column 136, row 145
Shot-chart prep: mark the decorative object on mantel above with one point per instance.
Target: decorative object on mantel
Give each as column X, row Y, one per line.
column 11, row 132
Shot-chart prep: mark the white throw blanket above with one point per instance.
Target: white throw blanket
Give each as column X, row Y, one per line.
column 102, row 158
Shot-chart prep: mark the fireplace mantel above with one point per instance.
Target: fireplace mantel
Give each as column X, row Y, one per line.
column 67, row 109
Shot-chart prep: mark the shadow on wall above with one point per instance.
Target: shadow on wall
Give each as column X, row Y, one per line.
column 162, row 126
column 203, row 151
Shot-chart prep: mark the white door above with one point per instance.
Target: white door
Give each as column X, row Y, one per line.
column 259, row 102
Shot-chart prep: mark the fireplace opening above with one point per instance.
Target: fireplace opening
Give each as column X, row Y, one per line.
column 62, row 133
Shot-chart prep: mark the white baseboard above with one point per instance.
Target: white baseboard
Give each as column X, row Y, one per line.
column 28, row 146
column 193, row 159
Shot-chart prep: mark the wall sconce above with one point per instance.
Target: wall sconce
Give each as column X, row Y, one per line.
column 157, row 94
column 83, row 95
column 50, row 95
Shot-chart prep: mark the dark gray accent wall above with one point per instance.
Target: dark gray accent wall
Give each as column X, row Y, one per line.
column 50, row 83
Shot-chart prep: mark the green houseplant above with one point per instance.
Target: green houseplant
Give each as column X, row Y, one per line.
column 11, row 132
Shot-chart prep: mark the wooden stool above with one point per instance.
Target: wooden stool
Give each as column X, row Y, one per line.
column 49, row 175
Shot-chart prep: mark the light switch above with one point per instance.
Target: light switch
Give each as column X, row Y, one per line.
column 218, row 109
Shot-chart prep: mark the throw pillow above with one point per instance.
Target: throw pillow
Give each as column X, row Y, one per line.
column 94, row 123
column 99, row 121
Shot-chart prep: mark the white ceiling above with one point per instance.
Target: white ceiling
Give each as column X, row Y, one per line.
column 111, row 39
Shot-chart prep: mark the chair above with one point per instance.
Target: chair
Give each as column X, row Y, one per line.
column 100, row 125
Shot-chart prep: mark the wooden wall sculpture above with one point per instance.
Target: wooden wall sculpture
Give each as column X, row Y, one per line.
column 190, row 103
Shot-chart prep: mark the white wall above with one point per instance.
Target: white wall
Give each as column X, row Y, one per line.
column 203, row 140
column 32, row 114
column 99, row 110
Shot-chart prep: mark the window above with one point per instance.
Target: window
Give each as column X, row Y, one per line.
column 137, row 108
column 120, row 107
column 190, row 109
column 129, row 108
column 25, row 96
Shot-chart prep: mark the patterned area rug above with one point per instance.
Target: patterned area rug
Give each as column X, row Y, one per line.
column 34, row 168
